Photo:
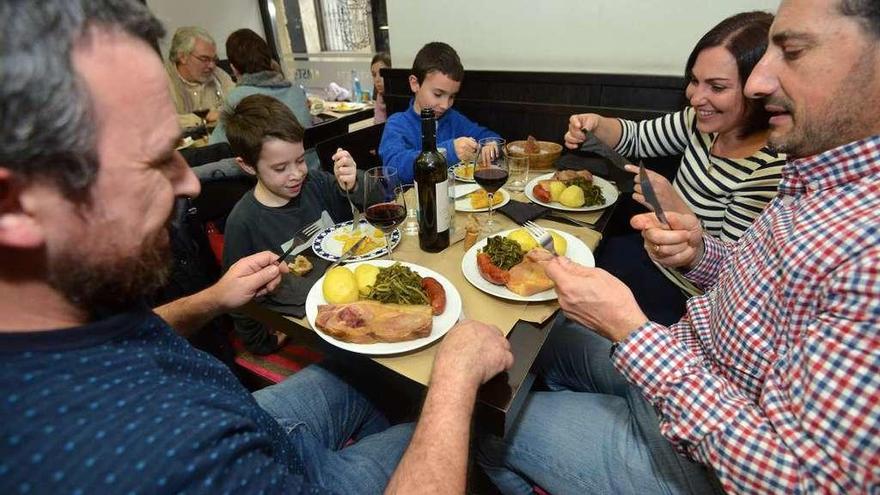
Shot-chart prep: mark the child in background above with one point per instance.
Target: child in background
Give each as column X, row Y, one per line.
column 435, row 81
column 380, row 61
column 268, row 143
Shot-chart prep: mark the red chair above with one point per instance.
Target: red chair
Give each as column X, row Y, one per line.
column 258, row 371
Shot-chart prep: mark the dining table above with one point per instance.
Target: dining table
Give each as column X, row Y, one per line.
column 332, row 121
column 526, row 324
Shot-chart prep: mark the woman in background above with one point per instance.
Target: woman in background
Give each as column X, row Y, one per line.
column 727, row 174
column 380, row 60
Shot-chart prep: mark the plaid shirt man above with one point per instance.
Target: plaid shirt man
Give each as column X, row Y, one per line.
column 773, row 376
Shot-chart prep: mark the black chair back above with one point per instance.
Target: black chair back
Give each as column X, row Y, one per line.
column 363, row 144
column 206, row 154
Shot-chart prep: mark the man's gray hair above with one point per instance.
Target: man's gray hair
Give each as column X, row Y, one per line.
column 867, row 10
column 47, row 126
column 185, row 39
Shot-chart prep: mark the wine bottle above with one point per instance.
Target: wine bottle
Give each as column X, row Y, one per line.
column 432, row 189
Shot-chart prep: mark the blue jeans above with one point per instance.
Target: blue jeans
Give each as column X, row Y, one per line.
column 320, row 412
column 592, row 432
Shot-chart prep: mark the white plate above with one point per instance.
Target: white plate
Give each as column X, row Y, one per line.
column 576, row 250
column 325, row 246
column 609, row 191
column 187, row 142
column 348, row 107
column 464, row 204
column 442, row 322
column 456, row 172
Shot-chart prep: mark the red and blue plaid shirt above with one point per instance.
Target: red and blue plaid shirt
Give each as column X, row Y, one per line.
column 773, row 375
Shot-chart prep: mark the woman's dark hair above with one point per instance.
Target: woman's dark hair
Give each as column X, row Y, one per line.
column 248, row 52
column 381, row 57
column 745, row 37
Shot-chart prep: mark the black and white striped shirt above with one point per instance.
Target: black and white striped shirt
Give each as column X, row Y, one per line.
column 726, row 194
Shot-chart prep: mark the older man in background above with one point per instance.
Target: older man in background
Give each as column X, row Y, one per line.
column 195, row 80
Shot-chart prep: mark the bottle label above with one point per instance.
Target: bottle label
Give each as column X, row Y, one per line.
column 442, row 191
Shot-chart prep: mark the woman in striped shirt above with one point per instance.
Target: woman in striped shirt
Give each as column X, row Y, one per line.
column 727, row 174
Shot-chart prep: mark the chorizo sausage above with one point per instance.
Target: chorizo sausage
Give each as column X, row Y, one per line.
column 490, row 271
column 436, row 294
column 541, row 194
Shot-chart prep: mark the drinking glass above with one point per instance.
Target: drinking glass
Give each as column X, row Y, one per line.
column 518, row 167
column 385, row 202
column 491, row 172
column 202, row 113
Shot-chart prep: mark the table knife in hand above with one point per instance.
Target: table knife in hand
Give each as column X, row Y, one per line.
column 649, row 194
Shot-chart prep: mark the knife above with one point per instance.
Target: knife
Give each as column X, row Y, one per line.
column 649, row 194
column 559, row 217
column 348, row 254
column 595, row 145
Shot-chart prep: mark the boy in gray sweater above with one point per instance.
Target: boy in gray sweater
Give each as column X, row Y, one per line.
column 268, row 143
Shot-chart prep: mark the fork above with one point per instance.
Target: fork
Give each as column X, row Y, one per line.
column 301, row 237
column 541, row 235
column 355, row 214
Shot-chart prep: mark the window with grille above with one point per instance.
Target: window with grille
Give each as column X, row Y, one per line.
column 345, row 25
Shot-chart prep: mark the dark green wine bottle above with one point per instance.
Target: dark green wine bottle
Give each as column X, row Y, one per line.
column 432, row 188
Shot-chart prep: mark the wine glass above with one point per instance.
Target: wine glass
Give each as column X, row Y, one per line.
column 385, row 202
column 490, row 172
column 202, row 113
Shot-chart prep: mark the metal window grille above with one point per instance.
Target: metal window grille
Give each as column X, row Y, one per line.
column 345, row 25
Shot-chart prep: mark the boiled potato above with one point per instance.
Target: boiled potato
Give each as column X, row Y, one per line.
column 556, row 188
column 340, row 286
column 366, row 277
column 523, row 238
column 560, row 245
column 572, row 197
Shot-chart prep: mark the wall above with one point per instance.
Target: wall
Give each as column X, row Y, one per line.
column 219, row 17
column 618, row 36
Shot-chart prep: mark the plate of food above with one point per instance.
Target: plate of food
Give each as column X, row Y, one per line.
column 346, row 107
column 382, row 307
column 463, row 172
column 477, row 199
column 570, row 190
column 185, row 142
column 333, row 241
column 510, row 264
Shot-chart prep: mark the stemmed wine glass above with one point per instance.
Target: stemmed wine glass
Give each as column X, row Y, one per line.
column 490, row 172
column 384, row 201
column 202, row 113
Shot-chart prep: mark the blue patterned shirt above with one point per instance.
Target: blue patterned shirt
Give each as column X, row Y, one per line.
column 125, row 405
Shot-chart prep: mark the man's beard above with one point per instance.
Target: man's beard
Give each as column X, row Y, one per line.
column 850, row 117
column 100, row 286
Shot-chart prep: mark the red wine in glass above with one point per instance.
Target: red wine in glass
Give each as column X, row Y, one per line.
column 386, row 216
column 490, row 178
column 202, row 113
column 384, row 201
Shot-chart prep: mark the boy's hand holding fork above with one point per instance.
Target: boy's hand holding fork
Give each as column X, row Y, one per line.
column 345, row 170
